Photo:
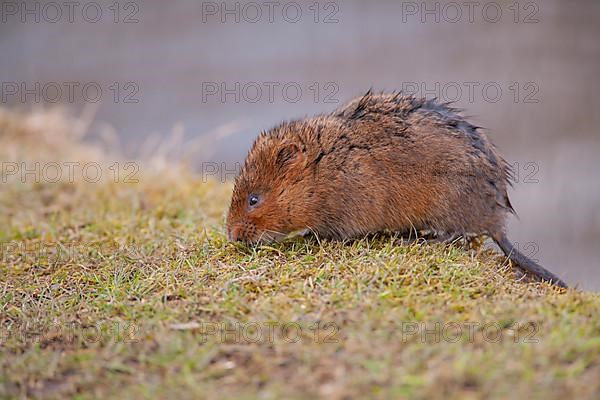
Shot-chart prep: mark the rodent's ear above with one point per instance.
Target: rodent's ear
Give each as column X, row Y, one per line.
column 288, row 152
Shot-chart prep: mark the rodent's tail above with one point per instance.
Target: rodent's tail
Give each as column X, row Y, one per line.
column 527, row 263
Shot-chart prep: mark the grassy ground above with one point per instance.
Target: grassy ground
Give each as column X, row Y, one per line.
column 130, row 289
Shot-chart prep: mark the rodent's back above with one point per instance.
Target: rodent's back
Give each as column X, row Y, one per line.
column 398, row 161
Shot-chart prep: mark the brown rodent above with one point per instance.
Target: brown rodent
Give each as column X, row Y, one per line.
column 386, row 162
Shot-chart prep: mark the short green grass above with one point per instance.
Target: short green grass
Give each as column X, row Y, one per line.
column 131, row 290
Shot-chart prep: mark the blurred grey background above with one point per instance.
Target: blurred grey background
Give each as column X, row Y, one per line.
column 219, row 73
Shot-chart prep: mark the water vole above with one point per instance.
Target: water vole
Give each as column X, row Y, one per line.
column 386, row 162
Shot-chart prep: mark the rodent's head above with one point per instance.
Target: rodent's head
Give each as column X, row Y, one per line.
column 273, row 194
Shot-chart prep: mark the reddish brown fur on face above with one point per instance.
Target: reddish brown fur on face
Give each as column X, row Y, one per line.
column 275, row 172
column 382, row 162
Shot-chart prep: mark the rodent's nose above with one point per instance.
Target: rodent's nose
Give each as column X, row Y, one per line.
column 233, row 234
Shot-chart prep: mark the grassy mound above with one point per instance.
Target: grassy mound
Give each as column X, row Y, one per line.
column 129, row 289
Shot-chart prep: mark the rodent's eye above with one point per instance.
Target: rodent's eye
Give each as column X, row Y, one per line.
column 253, row 200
